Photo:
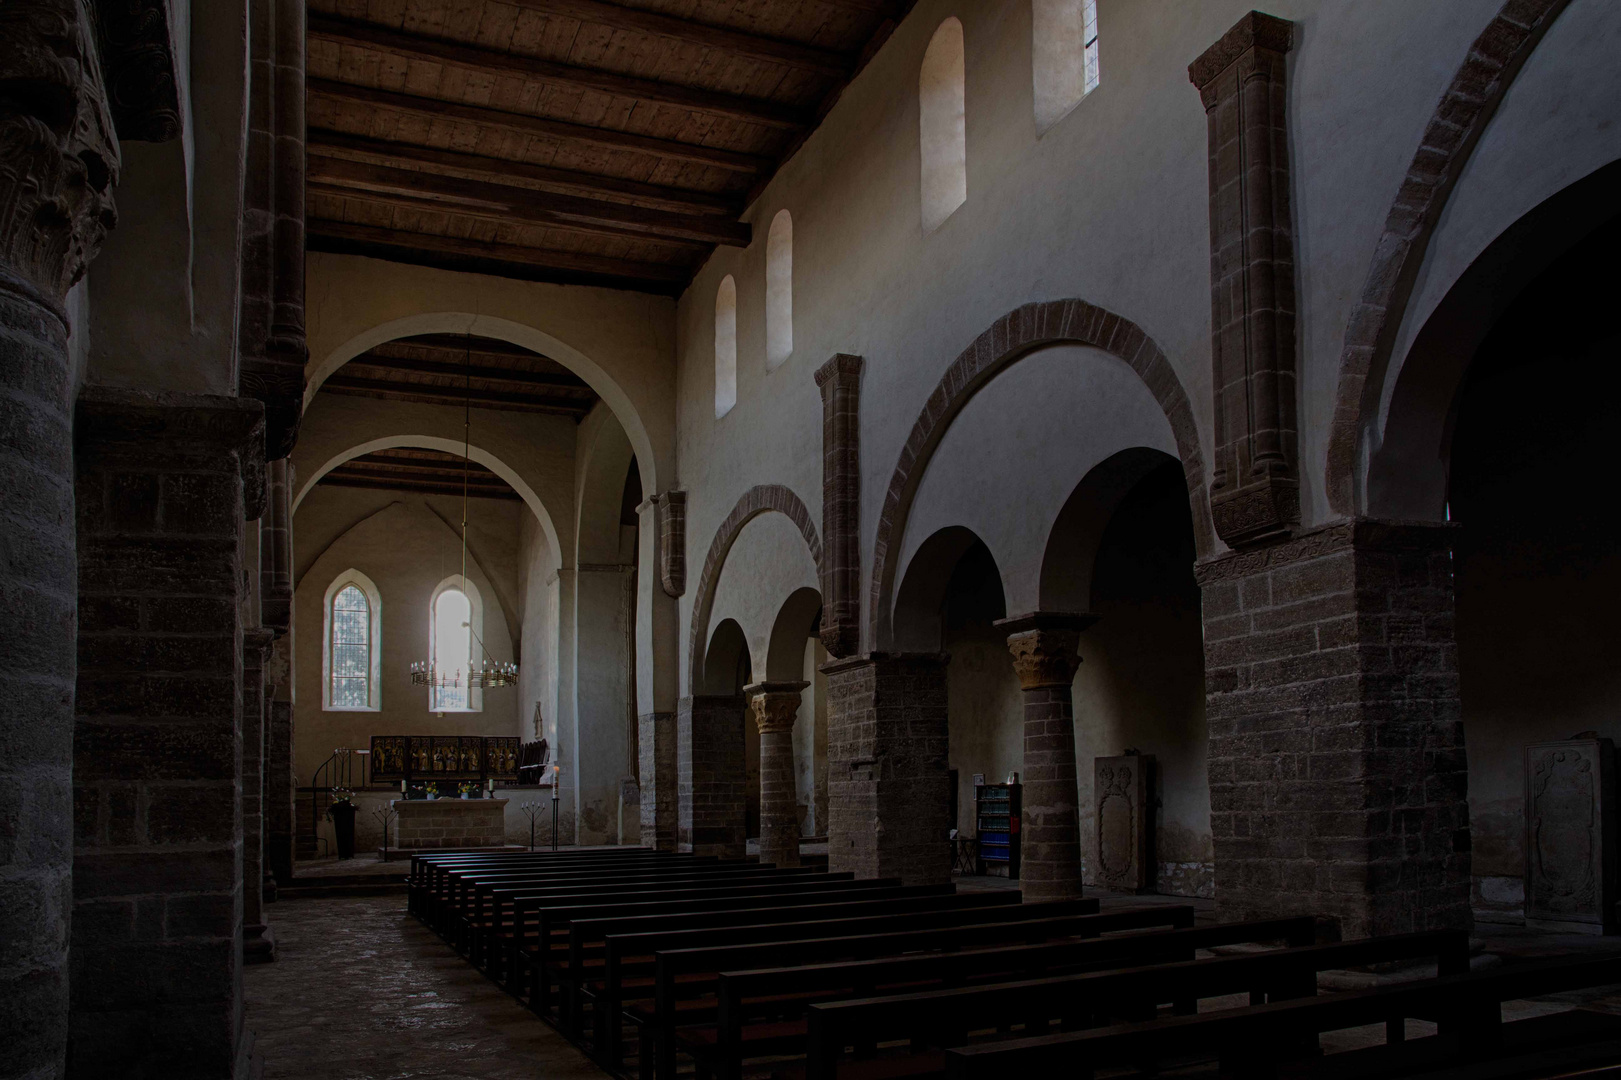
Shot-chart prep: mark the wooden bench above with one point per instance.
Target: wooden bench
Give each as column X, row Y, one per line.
column 1254, row 1041
column 551, row 924
column 629, row 946
column 422, row 866
column 936, row 1019
column 685, row 979
column 430, row 879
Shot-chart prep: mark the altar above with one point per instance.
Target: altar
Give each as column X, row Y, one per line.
column 450, row 823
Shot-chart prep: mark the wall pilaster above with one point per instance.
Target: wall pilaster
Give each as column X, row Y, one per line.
column 710, row 775
column 839, row 381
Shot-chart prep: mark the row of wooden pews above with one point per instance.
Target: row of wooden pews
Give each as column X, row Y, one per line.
column 657, row 963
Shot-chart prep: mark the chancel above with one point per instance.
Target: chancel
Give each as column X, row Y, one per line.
column 827, row 538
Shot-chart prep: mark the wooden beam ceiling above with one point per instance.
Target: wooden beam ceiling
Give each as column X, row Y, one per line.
column 592, row 142
column 423, row 248
column 431, row 394
column 424, row 472
column 503, row 202
column 437, row 51
column 526, row 124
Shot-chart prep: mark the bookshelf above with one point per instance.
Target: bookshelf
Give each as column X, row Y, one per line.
column 996, row 817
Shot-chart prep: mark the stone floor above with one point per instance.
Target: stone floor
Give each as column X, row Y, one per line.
column 361, row 991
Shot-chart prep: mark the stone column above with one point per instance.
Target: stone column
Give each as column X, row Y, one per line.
column 839, row 380
column 257, row 946
column 1338, row 781
column 1045, row 647
column 158, row 867
column 276, row 549
column 662, row 543
column 279, row 789
column 889, row 796
column 1254, row 487
column 710, row 776
column 775, row 705
column 59, row 162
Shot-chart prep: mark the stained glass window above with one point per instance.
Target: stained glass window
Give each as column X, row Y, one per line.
column 351, row 649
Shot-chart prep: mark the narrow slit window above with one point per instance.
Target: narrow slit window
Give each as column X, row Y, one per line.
column 725, row 346
column 779, row 290
column 1063, row 56
column 942, row 125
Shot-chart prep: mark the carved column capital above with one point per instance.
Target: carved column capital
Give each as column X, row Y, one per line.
column 59, row 156
column 775, row 704
column 1045, row 646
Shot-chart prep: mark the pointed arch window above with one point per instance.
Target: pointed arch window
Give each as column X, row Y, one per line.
column 942, row 125
column 725, row 346
column 779, row 290
column 351, row 650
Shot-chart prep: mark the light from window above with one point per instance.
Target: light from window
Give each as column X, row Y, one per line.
column 452, row 649
column 1064, row 56
column 779, row 290
column 942, row 128
column 351, row 650
column 725, row 346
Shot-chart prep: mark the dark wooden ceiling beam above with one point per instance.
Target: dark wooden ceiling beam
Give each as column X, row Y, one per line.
column 737, row 42
column 564, row 380
column 338, row 478
column 322, row 141
column 448, row 473
column 439, row 51
column 448, row 395
column 505, row 202
column 655, row 277
column 543, row 127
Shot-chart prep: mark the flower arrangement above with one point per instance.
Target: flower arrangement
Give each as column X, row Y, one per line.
column 431, row 790
column 343, row 797
column 467, row 787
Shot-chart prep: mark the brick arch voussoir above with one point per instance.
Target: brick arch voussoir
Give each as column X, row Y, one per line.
column 761, row 499
column 1466, row 108
column 1051, row 322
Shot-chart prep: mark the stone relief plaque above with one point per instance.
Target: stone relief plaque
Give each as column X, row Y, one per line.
column 1570, row 864
column 1122, row 789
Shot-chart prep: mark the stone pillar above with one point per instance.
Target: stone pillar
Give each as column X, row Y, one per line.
column 287, row 351
column 839, row 380
column 662, row 542
column 57, row 172
column 276, row 550
column 710, row 776
column 775, row 705
column 889, row 797
column 1338, row 781
column 257, row 946
column 157, row 923
column 280, row 790
column 1254, row 487
column 1045, row 647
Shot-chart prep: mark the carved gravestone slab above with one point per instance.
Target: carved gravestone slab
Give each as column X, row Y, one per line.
column 1123, row 792
column 1570, row 865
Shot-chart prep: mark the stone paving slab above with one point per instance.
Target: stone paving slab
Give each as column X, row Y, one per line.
column 361, row 991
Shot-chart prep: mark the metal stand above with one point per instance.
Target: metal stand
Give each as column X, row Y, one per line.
column 554, row 819
column 533, row 810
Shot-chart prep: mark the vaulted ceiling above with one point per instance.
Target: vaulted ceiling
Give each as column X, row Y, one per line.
column 581, row 141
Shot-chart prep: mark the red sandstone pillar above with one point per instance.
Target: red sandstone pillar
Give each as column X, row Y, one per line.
column 1045, row 648
column 710, row 775
column 775, row 705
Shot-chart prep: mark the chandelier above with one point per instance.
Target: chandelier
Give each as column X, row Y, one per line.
column 482, row 672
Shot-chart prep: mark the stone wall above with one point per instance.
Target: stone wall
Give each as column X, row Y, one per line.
column 1337, row 768
column 710, row 775
column 450, row 823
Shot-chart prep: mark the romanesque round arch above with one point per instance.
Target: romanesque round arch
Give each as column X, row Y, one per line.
column 761, row 499
column 1466, row 107
column 1019, row 332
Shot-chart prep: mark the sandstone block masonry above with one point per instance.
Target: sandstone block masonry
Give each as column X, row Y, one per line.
column 450, row 823
column 1337, row 770
column 888, row 791
column 710, row 775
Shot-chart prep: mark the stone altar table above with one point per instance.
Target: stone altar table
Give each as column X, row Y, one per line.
column 450, row 823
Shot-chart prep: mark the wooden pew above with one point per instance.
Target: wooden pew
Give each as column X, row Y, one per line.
column 417, row 877
column 936, row 1019
column 629, row 946
column 685, row 978
column 432, row 877
column 551, row 922
column 483, row 905
column 558, row 920
column 1253, row 1041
